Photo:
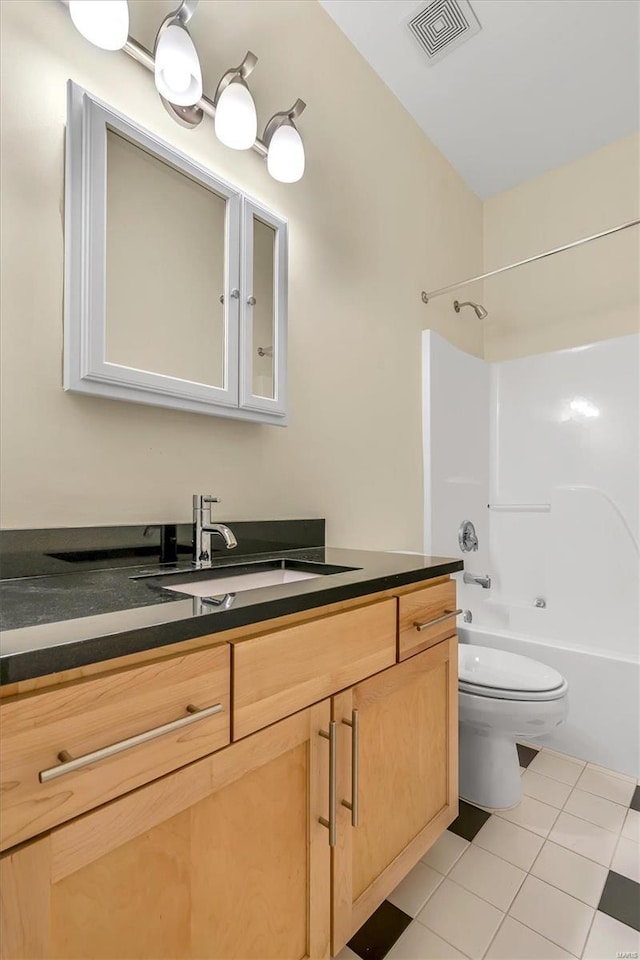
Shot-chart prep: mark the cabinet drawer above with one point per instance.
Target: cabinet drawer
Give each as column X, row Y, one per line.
column 278, row 673
column 40, row 790
column 422, row 606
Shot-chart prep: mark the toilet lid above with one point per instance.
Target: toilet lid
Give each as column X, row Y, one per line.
column 498, row 670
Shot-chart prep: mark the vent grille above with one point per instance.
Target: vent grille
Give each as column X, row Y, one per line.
column 442, row 26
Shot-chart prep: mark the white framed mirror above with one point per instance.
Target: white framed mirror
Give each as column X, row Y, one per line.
column 155, row 272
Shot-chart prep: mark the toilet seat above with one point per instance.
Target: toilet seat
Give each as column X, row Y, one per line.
column 487, row 672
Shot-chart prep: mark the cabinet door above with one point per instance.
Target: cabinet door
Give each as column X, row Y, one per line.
column 223, row 859
column 406, row 761
column 263, row 312
column 152, row 267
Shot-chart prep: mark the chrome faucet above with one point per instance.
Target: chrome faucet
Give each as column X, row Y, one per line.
column 203, row 529
column 484, row 582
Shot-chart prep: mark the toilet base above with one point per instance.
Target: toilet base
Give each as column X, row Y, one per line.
column 489, row 769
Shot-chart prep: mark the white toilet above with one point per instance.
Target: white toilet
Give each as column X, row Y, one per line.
column 503, row 697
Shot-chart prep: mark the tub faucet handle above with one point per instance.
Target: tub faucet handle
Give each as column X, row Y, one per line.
column 467, row 537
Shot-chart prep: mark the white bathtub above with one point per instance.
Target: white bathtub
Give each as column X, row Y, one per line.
column 603, row 725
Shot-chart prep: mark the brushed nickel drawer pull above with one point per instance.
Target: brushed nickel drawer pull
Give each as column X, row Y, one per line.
column 432, row 623
column 330, row 824
column 69, row 765
column 353, row 804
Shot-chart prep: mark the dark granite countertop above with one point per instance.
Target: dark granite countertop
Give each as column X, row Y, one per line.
column 53, row 623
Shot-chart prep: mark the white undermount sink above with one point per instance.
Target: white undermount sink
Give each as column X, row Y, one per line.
column 242, row 581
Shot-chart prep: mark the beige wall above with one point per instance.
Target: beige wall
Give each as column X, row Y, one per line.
column 378, row 216
column 587, row 294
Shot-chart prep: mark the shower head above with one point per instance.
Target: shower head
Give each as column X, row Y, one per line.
column 481, row 313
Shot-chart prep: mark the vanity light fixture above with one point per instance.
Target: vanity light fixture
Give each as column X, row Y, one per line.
column 105, row 23
column 236, row 120
column 177, row 67
column 285, row 150
column 178, row 77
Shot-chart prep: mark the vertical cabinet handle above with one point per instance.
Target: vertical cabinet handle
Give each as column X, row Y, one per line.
column 330, row 824
column 353, row 804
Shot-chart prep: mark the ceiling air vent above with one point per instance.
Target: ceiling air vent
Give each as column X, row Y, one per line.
column 442, row 26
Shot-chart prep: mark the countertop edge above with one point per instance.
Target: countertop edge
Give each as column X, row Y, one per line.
column 29, row 665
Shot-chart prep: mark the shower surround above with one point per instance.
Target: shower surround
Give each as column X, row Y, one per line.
column 542, row 454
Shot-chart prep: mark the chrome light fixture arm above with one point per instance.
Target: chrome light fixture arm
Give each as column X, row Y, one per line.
column 181, row 15
column 282, row 117
column 185, row 11
column 241, row 72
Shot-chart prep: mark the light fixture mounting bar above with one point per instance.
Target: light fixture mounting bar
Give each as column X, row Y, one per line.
column 144, row 57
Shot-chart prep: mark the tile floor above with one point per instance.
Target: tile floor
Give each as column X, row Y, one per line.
column 558, row 876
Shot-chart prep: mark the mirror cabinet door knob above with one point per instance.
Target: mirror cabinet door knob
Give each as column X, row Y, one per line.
column 251, row 301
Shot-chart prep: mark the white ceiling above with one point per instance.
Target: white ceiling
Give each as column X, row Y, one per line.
column 543, row 83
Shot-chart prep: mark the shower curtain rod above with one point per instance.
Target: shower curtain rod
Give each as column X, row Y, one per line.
column 539, row 256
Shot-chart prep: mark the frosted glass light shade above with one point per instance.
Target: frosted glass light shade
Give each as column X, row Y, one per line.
column 236, row 121
column 104, row 23
column 285, row 159
column 177, row 71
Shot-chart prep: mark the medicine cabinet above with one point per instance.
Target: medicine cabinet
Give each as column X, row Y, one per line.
column 175, row 281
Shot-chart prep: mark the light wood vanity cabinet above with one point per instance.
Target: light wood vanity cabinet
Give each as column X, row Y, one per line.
column 228, row 856
column 225, row 858
column 405, row 759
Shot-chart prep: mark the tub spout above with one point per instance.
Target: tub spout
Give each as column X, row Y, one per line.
column 484, row 582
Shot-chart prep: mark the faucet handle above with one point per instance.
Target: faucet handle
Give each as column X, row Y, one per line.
column 199, row 500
